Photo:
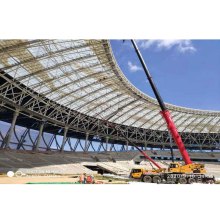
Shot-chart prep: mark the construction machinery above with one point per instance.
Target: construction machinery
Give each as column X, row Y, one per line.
column 189, row 172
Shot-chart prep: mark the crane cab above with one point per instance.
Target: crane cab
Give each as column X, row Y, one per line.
column 137, row 173
column 174, row 167
column 187, row 168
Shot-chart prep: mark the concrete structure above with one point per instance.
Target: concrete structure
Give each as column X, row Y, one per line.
column 111, row 162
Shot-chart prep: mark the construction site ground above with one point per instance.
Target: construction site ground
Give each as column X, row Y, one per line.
column 4, row 179
column 63, row 179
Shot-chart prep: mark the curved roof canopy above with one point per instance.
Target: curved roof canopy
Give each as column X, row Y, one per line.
column 84, row 76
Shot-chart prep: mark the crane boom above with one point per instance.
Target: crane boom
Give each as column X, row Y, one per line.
column 165, row 113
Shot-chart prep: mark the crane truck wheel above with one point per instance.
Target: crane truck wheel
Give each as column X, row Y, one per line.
column 156, row 179
column 191, row 180
column 182, row 181
column 147, row 179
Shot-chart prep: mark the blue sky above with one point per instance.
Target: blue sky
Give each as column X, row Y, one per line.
column 186, row 72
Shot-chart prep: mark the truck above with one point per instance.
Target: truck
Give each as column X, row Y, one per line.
column 174, row 174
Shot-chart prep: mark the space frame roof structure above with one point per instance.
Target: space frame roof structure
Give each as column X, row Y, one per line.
column 65, row 81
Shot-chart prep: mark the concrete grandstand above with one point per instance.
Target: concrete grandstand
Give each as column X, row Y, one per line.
column 51, row 95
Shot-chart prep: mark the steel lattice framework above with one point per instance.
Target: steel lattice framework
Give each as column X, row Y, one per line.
column 68, row 83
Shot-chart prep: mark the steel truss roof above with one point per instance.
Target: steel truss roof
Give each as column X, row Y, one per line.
column 70, row 82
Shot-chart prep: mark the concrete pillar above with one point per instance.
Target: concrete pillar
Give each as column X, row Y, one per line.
column 39, row 136
column 15, row 115
column 64, row 139
column 106, row 149
column 86, row 141
column 126, row 146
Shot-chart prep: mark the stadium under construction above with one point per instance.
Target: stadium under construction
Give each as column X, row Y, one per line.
column 54, row 95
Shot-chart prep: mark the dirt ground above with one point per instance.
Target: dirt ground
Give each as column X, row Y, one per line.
column 4, row 179
column 24, row 180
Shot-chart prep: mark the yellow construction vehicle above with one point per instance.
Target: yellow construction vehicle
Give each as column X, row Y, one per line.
column 173, row 168
column 189, row 173
column 137, row 173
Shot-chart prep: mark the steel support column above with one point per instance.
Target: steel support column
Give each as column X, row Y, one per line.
column 15, row 115
column 64, row 139
column 126, row 146
column 106, row 149
column 87, row 135
column 22, row 139
column 39, row 136
column 201, row 149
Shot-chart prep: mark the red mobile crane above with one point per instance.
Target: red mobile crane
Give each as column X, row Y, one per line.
column 182, row 174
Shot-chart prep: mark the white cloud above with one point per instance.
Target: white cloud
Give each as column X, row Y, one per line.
column 181, row 45
column 183, row 49
column 133, row 68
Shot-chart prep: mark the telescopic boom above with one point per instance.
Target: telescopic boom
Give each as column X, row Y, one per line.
column 165, row 113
